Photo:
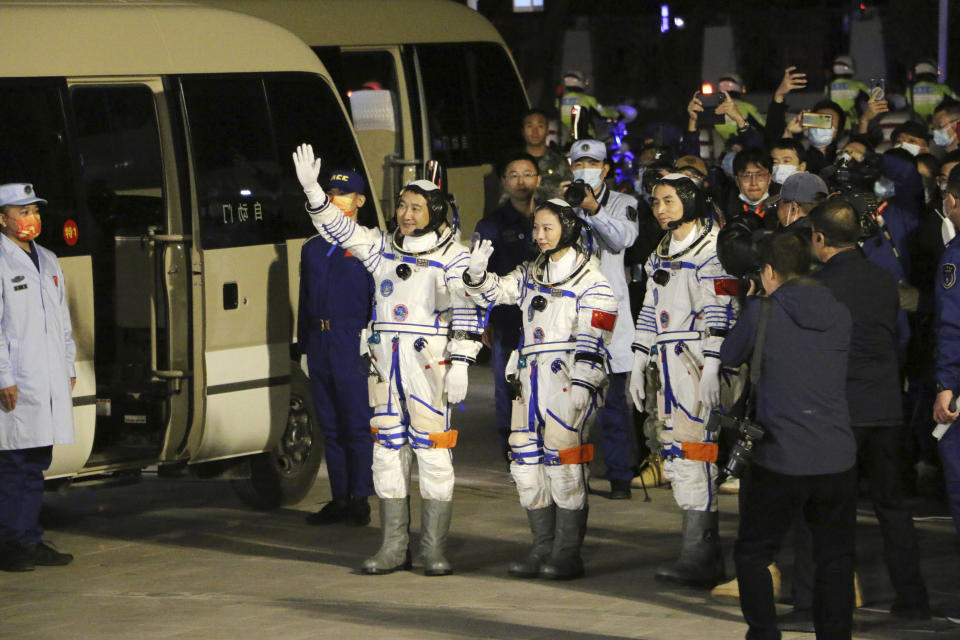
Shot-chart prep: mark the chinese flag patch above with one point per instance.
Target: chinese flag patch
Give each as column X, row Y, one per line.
column 726, row 287
column 603, row 320
column 56, row 282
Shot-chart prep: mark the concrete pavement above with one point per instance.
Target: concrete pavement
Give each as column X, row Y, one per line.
column 183, row 559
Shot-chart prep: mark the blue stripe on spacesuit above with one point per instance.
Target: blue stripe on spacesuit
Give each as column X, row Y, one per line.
column 549, row 290
column 413, row 397
column 562, row 423
column 412, row 260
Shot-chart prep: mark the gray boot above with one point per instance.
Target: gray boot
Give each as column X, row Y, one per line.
column 565, row 562
column 542, row 523
column 394, row 553
column 701, row 558
column 434, row 525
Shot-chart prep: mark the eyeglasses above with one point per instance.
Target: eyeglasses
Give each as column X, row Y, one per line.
column 754, row 177
column 514, row 175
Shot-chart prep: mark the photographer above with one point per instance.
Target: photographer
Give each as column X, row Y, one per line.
column 612, row 217
column 806, row 459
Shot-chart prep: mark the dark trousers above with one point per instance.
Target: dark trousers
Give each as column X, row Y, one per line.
column 21, row 493
column 338, row 384
column 949, row 447
column 614, row 420
column 878, row 451
column 505, row 326
column 768, row 502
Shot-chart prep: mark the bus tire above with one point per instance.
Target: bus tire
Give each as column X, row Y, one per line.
column 286, row 474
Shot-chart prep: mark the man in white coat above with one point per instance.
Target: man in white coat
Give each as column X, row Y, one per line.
column 612, row 218
column 36, row 378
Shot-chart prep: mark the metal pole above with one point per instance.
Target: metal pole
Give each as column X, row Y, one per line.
column 942, row 41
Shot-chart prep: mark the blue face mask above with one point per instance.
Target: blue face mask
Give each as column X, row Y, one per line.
column 942, row 137
column 819, row 138
column 727, row 163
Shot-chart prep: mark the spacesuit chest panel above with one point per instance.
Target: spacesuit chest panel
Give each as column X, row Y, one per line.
column 673, row 301
column 411, row 291
column 549, row 317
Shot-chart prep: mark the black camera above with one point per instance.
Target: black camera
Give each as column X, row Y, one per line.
column 576, row 192
column 747, row 434
column 737, row 250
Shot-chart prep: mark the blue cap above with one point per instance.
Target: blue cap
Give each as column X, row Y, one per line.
column 347, row 182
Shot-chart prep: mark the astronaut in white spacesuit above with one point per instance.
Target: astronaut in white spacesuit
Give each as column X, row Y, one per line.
column 689, row 306
column 569, row 312
column 424, row 334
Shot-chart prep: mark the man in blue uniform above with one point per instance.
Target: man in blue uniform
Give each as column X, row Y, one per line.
column 36, row 378
column 335, row 297
column 510, row 229
column 948, row 351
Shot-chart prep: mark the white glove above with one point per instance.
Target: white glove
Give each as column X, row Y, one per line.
column 710, row 384
column 638, row 389
column 303, row 365
column 579, row 397
column 308, row 170
column 479, row 257
column 456, row 382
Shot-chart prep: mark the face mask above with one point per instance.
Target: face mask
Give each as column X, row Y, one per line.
column 909, row 147
column 727, row 163
column 947, row 230
column 345, row 204
column 943, row 137
column 819, row 138
column 754, row 203
column 590, row 176
column 27, row 227
column 783, row 171
column 883, row 188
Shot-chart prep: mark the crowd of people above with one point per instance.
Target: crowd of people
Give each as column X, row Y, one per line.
column 782, row 320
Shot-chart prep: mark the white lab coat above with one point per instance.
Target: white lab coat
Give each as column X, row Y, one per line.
column 615, row 229
column 36, row 349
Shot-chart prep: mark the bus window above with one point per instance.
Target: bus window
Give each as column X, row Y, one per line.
column 34, row 150
column 303, row 108
column 235, row 159
column 473, row 102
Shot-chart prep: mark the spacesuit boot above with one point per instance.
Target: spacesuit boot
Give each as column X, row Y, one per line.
column 542, row 523
column 434, row 525
column 394, row 552
column 701, row 559
column 565, row 562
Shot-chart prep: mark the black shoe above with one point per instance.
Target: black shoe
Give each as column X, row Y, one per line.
column 45, row 555
column 620, row 490
column 16, row 557
column 358, row 511
column 334, row 511
column 910, row 612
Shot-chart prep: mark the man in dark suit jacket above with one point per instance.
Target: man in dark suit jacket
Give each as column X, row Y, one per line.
column 873, row 390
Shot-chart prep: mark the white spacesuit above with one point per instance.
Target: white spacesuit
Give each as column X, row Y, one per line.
column 689, row 306
column 424, row 333
column 569, row 313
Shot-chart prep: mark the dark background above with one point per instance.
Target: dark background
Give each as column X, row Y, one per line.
column 633, row 60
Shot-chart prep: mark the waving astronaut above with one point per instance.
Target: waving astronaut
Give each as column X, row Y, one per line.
column 569, row 312
column 424, row 334
column 689, row 306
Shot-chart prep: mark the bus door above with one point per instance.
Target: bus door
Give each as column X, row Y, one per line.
column 127, row 182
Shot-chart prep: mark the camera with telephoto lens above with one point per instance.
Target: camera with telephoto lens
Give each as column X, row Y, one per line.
column 737, row 250
column 576, row 192
column 853, row 181
column 747, row 433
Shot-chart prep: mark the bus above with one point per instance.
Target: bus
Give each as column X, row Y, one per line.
column 161, row 134
column 424, row 80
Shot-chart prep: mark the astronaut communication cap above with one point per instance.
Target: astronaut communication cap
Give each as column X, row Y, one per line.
column 426, row 185
column 675, row 176
column 347, row 182
column 593, row 149
column 559, row 202
column 19, row 194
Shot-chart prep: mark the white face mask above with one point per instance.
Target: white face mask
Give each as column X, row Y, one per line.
column 912, row 149
column 947, row 230
column 783, row 171
column 754, row 203
column 590, row 176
